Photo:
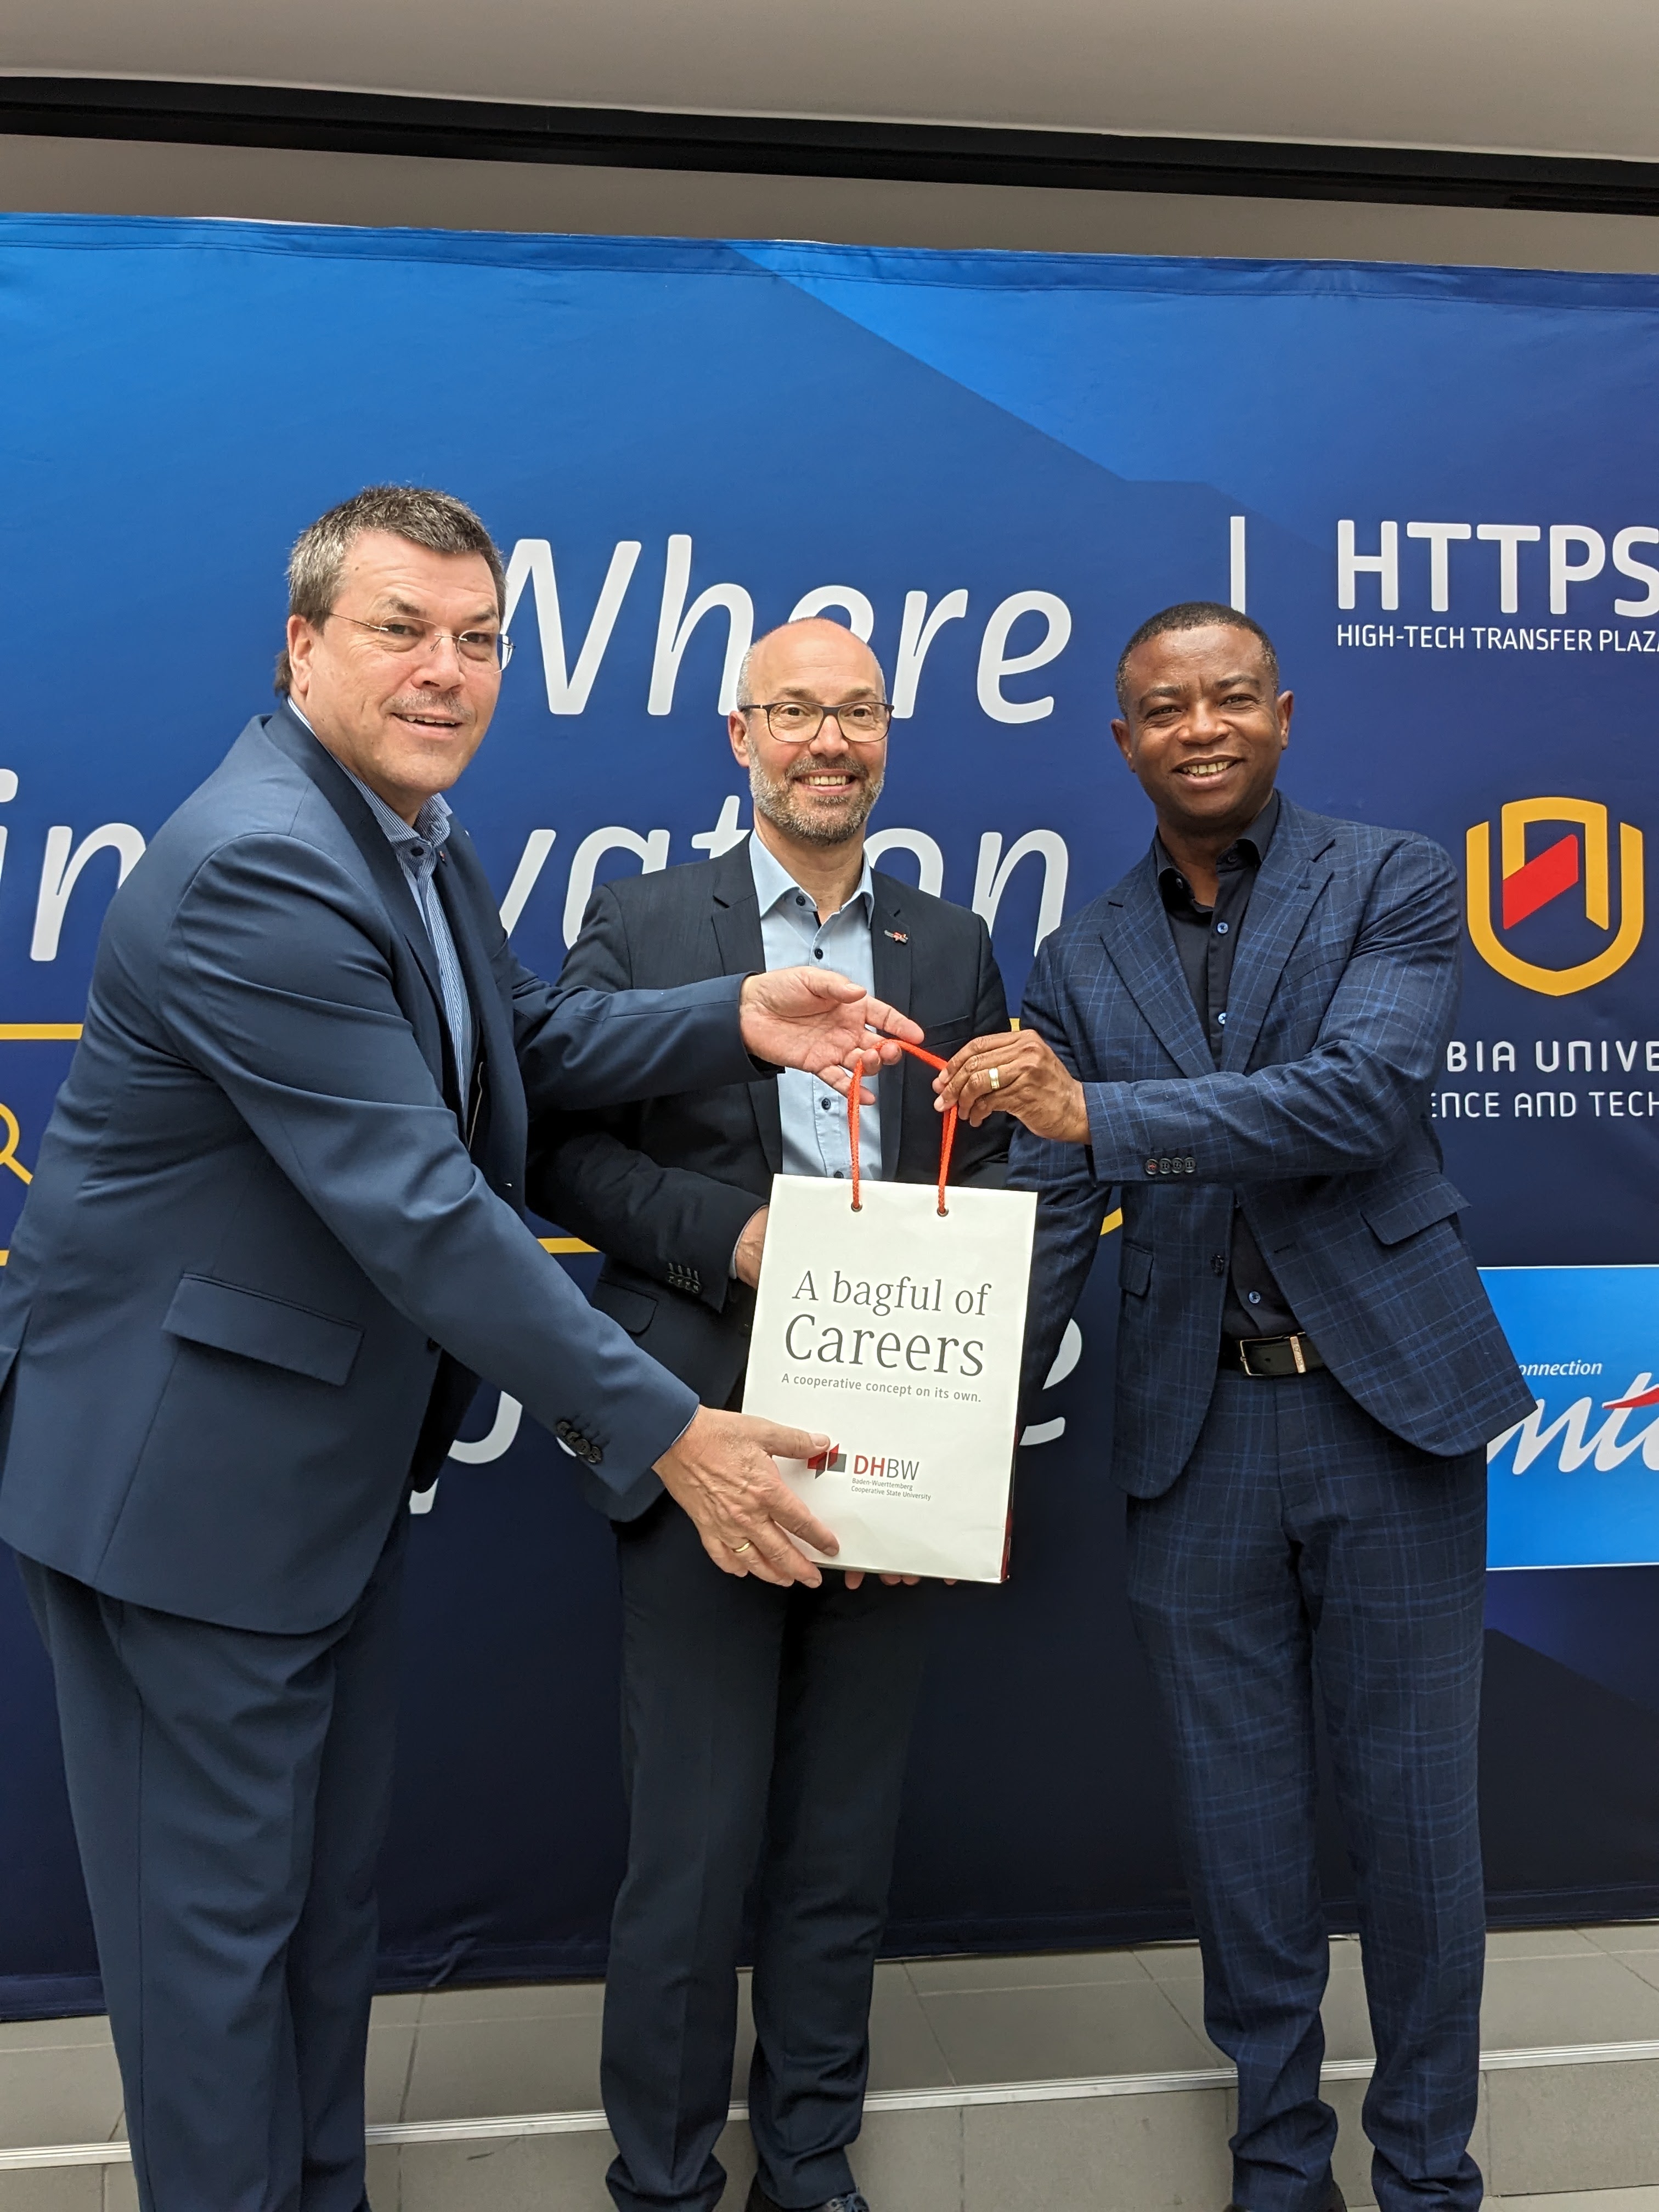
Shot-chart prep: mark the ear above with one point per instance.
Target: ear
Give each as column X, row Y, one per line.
column 1286, row 707
column 301, row 644
column 1121, row 731
column 737, row 728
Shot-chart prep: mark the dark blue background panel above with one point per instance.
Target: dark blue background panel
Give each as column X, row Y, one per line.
column 1013, row 459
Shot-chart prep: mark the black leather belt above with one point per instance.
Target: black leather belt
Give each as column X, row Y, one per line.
column 1269, row 1359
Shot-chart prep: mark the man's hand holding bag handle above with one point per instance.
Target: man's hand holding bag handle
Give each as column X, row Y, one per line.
column 892, row 1315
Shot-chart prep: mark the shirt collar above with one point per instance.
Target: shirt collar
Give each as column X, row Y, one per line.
column 1249, row 849
column 773, row 883
column 430, row 824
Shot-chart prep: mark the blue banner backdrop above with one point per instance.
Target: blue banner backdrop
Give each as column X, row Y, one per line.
column 1437, row 488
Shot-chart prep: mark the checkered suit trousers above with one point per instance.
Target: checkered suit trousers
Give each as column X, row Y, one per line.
column 1305, row 1552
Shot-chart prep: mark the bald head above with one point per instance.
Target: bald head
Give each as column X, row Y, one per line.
column 815, row 659
column 815, row 792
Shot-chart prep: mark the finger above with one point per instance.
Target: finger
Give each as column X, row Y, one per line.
column 792, row 1513
column 829, row 983
column 754, row 1564
column 777, row 1560
column 840, row 1079
column 783, row 1442
column 979, row 1052
column 855, row 1577
column 722, row 1555
column 889, row 1019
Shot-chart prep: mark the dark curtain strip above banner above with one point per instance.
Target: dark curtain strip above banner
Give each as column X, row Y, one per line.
column 815, row 146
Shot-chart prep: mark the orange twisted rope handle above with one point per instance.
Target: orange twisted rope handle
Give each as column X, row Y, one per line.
column 946, row 1141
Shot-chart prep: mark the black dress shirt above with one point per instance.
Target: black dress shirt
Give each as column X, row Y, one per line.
column 1205, row 941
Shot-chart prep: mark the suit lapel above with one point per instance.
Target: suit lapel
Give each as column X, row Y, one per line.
column 890, row 960
column 309, row 754
column 1296, row 869
column 734, row 913
column 1138, row 937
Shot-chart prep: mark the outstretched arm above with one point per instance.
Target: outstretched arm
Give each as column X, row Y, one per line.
column 273, row 984
column 1346, row 1105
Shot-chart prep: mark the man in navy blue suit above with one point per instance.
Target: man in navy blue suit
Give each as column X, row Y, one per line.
column 274, row 1235
column 1240, row 1040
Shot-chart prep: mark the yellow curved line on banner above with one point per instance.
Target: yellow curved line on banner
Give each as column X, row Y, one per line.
column 1555, row 982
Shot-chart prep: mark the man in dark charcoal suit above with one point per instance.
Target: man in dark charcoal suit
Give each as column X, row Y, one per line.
column 275, row 1232
column 765, row 1736
column 1240, row 1039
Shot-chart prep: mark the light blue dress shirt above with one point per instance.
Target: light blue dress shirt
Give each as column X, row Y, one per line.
column 418, row 848
column 815, row 1135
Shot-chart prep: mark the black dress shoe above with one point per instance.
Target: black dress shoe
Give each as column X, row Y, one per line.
column 854, row 2201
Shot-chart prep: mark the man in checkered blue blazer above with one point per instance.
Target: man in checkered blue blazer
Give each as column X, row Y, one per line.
column 1238, row 1042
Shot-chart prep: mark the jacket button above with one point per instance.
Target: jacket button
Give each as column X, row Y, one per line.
column 1152, row 1167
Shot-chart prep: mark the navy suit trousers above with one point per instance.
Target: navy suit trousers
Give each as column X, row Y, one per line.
column 764, row 1734
column 230, row 1791
column 1306, row 1552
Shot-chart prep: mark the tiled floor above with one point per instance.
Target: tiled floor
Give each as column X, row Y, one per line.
column 459, row 2054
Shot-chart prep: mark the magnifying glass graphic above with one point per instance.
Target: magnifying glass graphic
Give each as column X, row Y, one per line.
column 8, row 1152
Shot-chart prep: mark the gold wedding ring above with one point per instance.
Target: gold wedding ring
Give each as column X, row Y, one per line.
column 749, row 1546
column 995, row 1078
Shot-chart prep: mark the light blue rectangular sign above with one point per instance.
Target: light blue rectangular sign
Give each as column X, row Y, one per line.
column 1576, row 1484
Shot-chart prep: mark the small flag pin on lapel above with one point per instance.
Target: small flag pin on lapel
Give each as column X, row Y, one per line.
column 897, row 935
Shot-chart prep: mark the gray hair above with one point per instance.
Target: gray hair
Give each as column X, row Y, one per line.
column 431, row 519
column 1194, row 614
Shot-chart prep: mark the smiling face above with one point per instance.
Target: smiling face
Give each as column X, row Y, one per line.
column 405, row 723
column 820, row 792
column 1203, row 731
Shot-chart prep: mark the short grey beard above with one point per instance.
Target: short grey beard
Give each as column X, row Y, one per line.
column 773, row 803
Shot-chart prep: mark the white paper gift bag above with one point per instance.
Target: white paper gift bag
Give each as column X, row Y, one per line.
column 890, row 1317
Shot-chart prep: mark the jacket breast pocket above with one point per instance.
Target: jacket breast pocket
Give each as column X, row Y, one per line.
column 227, row 1318
column 1401, row 1213
column 945, row 1039
column 1134, row 1270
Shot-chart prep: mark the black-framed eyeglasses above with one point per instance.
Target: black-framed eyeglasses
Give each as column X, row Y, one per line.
column 797, row 721
column 405, row 633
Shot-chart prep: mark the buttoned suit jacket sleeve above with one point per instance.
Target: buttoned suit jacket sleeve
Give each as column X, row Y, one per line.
column 585, row 1175
column 1349, row 1104
column 270, row 982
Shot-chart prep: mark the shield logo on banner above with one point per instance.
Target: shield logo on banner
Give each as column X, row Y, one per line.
column 1581, row 858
